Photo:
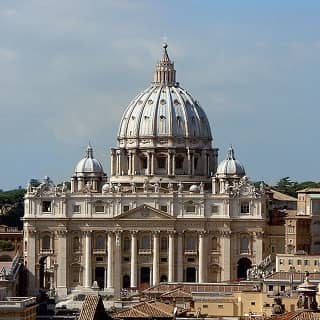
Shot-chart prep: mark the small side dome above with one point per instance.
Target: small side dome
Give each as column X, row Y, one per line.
column 194, row 188
column 230, row 167
column 88, row 164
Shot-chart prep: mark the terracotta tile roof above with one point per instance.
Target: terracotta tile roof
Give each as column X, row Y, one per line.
column 298, row 315
column 177, row 293
column 147, row 309
column 93, row 309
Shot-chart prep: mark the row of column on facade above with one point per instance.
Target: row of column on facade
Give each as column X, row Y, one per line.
column 175, row 259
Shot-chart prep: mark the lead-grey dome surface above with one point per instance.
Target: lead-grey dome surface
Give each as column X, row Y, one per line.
column 230, row 166
column 88, row 164
column 164, row 109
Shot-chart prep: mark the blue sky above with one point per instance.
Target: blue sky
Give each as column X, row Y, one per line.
column 69, row 68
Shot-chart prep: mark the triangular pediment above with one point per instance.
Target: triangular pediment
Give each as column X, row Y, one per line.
column 145, row 212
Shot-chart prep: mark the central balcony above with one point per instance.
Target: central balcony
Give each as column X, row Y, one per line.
column 190, row 252
column 99, row 251
column 145, row 251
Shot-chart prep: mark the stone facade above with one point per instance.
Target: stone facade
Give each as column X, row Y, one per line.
column 167, row 213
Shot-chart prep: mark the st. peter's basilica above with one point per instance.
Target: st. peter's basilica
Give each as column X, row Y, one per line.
column 168, row 212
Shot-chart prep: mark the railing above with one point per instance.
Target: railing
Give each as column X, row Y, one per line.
column 18, row 302
column 145, row 251
column 12, row 229
column 46, row 251
column 99, row 251
column 191, row 252
column 15, row 266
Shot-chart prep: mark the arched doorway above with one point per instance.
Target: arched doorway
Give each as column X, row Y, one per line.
column 243, row 265
column 163, row 278
column 145, row 277
column 126, row 281
column 191, row 274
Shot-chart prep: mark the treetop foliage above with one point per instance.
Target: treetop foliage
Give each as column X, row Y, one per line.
column 289, row 187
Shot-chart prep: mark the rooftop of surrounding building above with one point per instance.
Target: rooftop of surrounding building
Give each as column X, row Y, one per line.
column 309, row 190
column 292, row 276
column 93, row 309
column 148, row 309
column 282, row 196
column 196, row 287
column 299, row 315
column 17, row 303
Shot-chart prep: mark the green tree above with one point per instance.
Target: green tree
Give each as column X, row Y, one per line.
column 287, row 186
column 12, row 207
column 6, row 245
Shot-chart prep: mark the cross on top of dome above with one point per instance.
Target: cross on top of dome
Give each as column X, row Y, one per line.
column 165, row 74
column 89, row 151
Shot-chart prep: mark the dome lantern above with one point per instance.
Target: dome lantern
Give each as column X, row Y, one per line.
column 165, row 74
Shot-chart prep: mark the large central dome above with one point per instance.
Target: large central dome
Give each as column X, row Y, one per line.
column 164, row 111
column 164, row 135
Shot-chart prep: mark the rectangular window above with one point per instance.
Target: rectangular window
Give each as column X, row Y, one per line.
column 281, row 261
column 253, row 303
column 76, row 208
column 299, row 262
column 282, row 288
column 205, row 306
column 163, row 259
column 220, row 306
column 179, row 163
column 270, row 287
column 99, row 259
column 161, row 163
column 191, row 260
column 306, row 262
column 164, row 208
column 316, row 262
column 144, row 163
column 126, row 259
column 214, row 208
column 290, row 262
column 99, row 209
column 315, row 207
column 291, row 229
column 164, row 244
column 191, row 208
column 46, row 206
column 125, row 208
column 245, row 207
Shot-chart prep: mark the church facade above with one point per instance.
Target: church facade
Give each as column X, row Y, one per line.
column 169, row 212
